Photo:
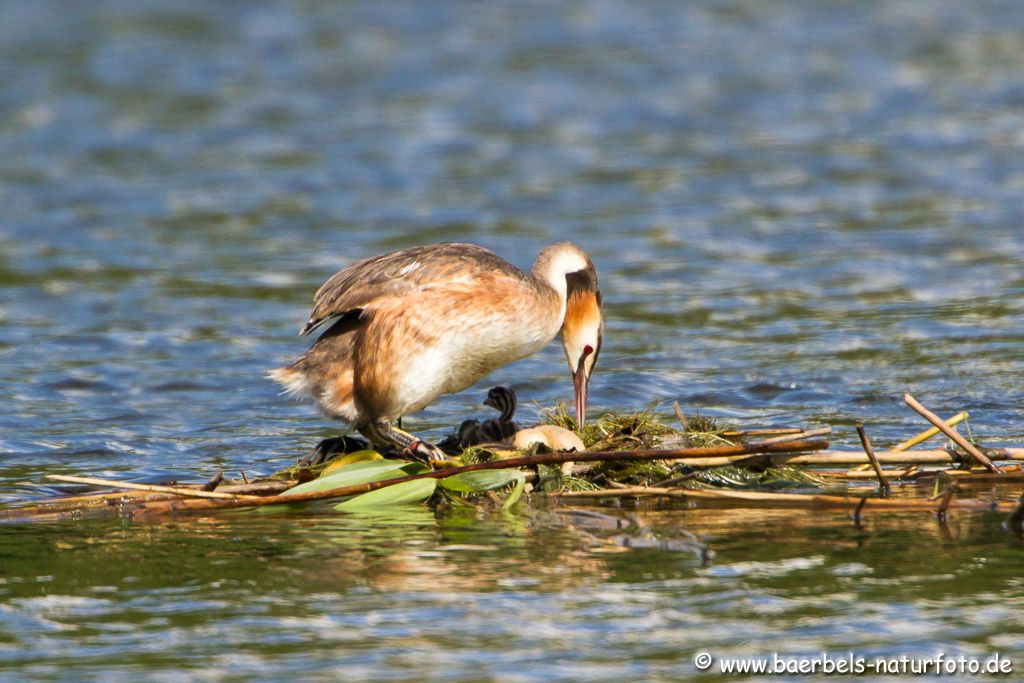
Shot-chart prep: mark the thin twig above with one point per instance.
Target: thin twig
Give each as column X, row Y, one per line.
column 883, row 485
column 177, row 490
column 950, row 432
column 680, row 416
column 785, row 438
column 684, row 425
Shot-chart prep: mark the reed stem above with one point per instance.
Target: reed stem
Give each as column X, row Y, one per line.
column 950, row 432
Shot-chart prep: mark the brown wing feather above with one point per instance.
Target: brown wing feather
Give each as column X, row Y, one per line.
column 397, row 273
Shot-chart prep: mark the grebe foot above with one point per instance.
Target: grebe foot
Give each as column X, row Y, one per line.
column 425, row 452
column 332, row 448
column 383, row 433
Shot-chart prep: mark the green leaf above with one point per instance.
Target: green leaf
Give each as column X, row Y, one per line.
column 515, row 494
column 350, row 459
column 415, row 491
column 360, row 473
column 482, row 480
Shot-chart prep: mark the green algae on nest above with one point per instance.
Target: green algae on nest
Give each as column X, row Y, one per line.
column 625, row 431
column 646, row 429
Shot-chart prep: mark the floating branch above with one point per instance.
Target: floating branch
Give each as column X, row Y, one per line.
column 104, row 503
column 903, row 473
column 785, row 500
column 976, row 474
column 950, row 432
column 922, row 437
column 1013, row 472
column 153, row 488
column 846, row 458
column 150, row 509
column 772, row 431
column 262, row 488
column 801, row 434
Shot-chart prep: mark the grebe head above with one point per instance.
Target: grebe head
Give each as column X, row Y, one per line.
column 569, row 270
column 503, row 400
column 582, row 334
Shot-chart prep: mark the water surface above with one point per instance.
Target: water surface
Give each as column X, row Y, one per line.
column 798, row 212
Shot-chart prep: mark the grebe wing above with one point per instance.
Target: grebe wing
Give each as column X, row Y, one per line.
column 397, row 273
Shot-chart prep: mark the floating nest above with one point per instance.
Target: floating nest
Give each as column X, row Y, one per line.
column 627, row 456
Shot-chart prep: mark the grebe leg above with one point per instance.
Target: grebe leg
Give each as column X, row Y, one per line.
column 383, row 433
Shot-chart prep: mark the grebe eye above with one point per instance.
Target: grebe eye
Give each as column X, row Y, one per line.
column 587, row 350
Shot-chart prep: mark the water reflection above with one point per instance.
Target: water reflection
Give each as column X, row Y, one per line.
column 539, row 587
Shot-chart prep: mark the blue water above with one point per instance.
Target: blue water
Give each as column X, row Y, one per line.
column 798, row 211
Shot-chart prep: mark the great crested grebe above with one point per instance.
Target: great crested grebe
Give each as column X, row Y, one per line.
column 496, row 430
column 504, row 401
column 403, row 328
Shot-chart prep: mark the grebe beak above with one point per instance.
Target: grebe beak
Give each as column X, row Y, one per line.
column 579, row 385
